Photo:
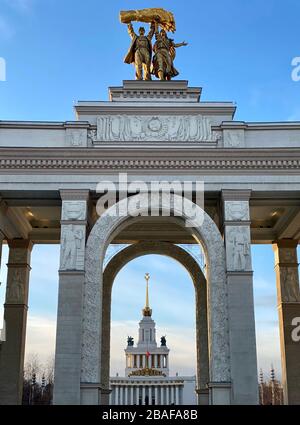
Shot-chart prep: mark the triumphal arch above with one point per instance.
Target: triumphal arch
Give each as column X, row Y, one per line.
column 54, row 176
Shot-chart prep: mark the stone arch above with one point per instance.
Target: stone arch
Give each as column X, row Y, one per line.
column 187, row 261
column 103, row 232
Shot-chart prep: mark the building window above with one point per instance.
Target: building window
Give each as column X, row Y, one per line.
column 134, row 361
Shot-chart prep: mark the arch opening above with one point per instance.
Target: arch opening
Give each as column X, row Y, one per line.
column 106, row 229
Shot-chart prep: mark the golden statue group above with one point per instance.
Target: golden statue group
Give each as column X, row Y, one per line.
column 141, row 49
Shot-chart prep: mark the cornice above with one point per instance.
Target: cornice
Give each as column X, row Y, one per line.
column 257, row 126
column 44, row 125
column 139, row 108
column 197, row 159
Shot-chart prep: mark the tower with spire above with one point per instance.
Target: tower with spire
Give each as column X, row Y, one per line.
column 147, row 379
column 147, row 358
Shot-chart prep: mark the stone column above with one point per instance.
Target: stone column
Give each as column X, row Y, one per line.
column 117, row 395
column 172, row 394
column 121, row 395
column 167, row 395
column 177, row 402
column 126, row 395
column 288, row 299
column 240, row 297
column 15, row 318
column 137, row 395
column 131, row 395
column 150, row 395
column 162, row 395
column 69, row 316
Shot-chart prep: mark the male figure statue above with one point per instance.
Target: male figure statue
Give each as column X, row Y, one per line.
column 140, row 51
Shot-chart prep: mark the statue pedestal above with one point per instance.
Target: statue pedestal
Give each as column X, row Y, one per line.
column 155, row 91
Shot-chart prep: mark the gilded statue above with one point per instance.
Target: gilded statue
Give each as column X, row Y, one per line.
column 164, row 18
column 140, row 51
column 165, row 53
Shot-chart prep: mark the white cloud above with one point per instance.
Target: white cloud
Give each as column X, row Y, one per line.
column 40, row 338
column 268, row 348
column 181, row 342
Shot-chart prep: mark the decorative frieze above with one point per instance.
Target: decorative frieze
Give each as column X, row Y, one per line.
column 133, row 128
column 238, row 164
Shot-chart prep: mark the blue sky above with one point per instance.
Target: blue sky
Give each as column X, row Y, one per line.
column 61, row 51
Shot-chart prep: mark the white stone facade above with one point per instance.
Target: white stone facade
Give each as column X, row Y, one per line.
column 154, row 131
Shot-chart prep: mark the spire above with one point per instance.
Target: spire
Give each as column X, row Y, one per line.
column 147, row 312
column 272, row 373
column 261, row 377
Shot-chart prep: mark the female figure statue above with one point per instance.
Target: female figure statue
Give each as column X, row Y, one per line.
column 165, row 53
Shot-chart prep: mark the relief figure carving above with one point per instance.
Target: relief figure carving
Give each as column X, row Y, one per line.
column 71, row 241
column 193, row 128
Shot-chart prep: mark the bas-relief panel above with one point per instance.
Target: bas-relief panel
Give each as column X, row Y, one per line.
column 123, row 128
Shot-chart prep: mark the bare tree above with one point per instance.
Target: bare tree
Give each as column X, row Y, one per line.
column 38, row 381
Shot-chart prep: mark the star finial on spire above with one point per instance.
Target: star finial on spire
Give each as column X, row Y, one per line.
column 147, row 310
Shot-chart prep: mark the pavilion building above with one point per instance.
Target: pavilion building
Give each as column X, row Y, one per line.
column 147, row 380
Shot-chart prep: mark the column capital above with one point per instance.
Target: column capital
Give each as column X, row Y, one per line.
column 20, row 244
column 285, row 243
column 236, row 195
column 74, row 194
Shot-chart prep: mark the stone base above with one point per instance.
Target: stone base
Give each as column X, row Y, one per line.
column 203, row 397
column 90, row 394
column 219, row 393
